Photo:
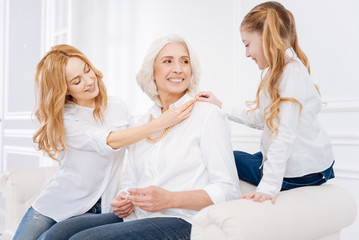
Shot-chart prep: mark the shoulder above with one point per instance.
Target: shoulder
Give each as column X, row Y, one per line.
column 116, row 111
column 206, row 110
column 295, row 77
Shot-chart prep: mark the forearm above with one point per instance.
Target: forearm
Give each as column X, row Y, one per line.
column 120, row 138
column 193, row 200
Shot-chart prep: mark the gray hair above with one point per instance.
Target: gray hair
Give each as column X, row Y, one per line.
column 145, row 77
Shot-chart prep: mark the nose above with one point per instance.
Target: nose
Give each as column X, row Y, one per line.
column 88, row 80
column 177, row 68
column 247, row 53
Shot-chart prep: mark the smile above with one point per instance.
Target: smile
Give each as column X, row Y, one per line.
column 176, row 80
column 92, row 88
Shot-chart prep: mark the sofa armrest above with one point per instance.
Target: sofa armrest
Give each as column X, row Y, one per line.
column 302, row 213
column 19, row 188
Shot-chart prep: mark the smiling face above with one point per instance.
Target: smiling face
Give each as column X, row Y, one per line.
column 81, row 82
column 172, row 71
column 254, row 47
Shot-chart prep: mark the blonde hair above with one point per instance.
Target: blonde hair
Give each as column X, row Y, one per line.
column 145, row 78
column 276, row 24
column 51, row 95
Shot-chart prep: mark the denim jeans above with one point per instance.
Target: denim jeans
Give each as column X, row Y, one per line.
column 34, row 225
column 248, row 169
column 108, row 226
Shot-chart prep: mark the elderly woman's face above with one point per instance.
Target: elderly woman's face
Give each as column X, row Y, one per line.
column 172, row 70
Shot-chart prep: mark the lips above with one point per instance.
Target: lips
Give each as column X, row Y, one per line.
column 92, row 88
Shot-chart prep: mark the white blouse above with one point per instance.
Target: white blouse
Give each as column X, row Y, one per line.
column 89, row 168
column 301, row 146
column 195, row 154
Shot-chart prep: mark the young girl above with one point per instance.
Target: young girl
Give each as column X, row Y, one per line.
column 295, row 150
column 86, row 134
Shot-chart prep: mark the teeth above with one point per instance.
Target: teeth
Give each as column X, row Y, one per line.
column 93, row 85
column 175, row 79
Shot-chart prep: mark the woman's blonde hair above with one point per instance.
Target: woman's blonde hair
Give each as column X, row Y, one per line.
column 145, row 76
column 51, row 95
column 276, row 24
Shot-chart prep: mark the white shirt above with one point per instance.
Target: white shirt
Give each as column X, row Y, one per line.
column 302, row 146
column 195, row 154
column 89, row 168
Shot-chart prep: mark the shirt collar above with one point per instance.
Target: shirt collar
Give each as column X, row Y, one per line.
column 156, row 110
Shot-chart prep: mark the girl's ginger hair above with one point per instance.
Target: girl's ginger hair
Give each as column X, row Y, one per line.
column 276, row 25
column 51, row 95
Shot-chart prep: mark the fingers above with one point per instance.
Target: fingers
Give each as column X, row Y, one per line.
column 204, row 94
column 259, row 197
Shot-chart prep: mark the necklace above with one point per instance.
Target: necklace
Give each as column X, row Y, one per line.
column 159, row 137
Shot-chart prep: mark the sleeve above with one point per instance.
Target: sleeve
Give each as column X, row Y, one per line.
column 241, row 115
column 218, row 156
column 83, row 136
column 292, row 86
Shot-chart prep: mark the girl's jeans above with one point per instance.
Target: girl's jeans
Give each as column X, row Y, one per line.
column 248, row 169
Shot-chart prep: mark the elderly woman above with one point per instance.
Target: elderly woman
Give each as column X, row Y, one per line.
column 172, row 175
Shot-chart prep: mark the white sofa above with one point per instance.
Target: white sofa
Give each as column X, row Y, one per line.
column 310, row 213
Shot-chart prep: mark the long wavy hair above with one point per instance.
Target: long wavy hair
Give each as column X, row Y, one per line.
column 51, row 95
column 277, row 27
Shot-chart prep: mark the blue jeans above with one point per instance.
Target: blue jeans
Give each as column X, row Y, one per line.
column 248, row 169
column 108, row 226
column 34, row 225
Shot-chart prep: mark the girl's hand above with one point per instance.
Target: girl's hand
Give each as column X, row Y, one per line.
column 258, row 197
column 121, row 206
column 150, row 198
column 176, row 115
column 210, row 98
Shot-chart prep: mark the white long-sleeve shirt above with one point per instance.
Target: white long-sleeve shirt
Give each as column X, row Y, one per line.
column 301, row 146
column 195, row 154
column 89, row 168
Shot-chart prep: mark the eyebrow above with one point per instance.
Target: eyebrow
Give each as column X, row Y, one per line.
column 173, row 57
column 85, row 64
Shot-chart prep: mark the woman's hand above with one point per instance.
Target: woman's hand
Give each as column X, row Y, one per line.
column 258, row 197
column 210, row 98
column 150, row 198
column 175, row 115
column 121, row 206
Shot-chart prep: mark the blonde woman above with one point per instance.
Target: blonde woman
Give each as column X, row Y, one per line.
column 86, row 134
column 295, row 149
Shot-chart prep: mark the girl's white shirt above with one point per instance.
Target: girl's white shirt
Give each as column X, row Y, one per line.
column 195, row 154
column 89, row 168
column 302, row 146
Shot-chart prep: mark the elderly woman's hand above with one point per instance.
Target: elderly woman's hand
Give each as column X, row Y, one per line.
column 121, row 206
column 150, row 198
column 210, row 98
column 176, row 115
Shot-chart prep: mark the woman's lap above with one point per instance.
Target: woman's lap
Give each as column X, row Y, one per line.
column 65, row 229
column 108, row 226
column 142, row 229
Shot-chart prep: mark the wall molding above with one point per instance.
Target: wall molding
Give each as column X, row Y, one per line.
column 27, row 151
column 19, row 133
column 340, row 105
